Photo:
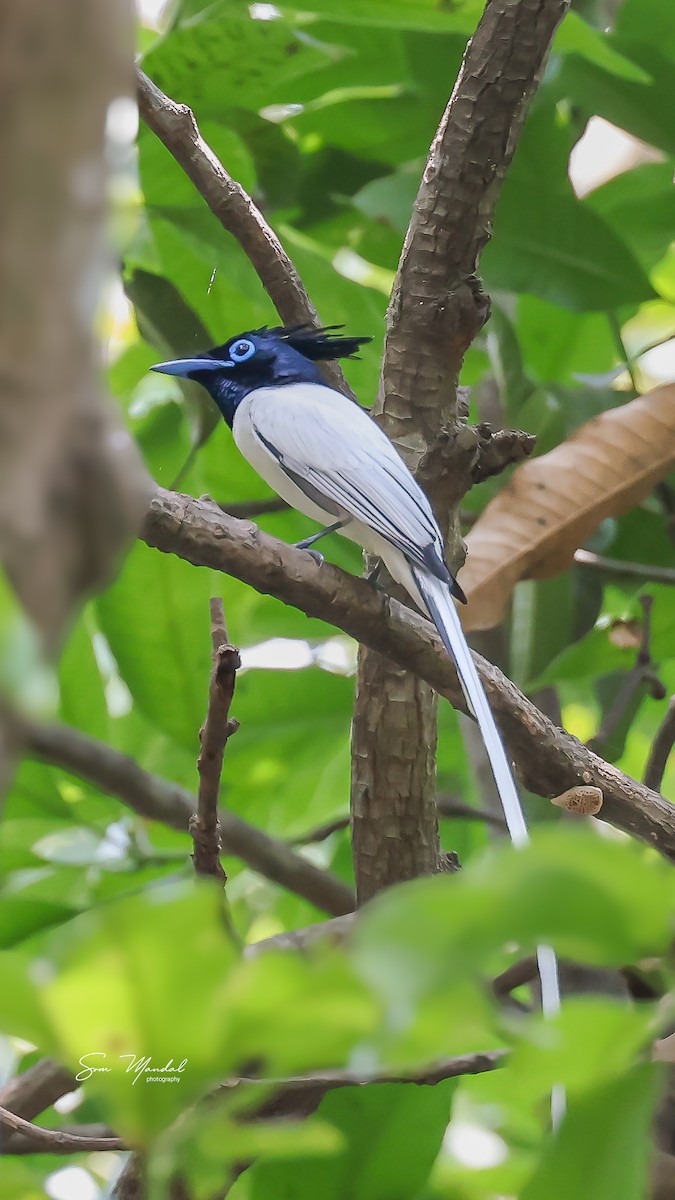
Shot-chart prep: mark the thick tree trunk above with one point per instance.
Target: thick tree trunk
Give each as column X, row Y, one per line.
column 72, row 490
column 437, row 308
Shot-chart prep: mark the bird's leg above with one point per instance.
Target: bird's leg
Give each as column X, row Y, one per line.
column 372, row 577
column 307, row 542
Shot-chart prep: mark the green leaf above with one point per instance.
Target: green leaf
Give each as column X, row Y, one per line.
column 124, row 993
column 392, row 1135
column 639, row 206
column 22, row 916
column 594, row 901
column 576, row 37
column 21, row 1013
column 643, row 109
column 156, row 620
column 554, row 246
column 541, row 625
column 404, row 14
column 612, row 1164
column 558, row 345
column 207, row 1144
column 222, row 59
column 83, row 702
column 649, row 22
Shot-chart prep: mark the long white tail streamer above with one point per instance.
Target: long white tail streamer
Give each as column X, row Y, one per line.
column 441, row 608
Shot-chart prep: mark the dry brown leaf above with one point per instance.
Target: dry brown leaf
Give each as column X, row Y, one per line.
column 553, row 503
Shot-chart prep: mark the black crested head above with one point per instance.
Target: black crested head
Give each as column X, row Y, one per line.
column 262, row 358
column 319, row 344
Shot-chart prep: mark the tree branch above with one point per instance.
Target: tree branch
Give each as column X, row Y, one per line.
column 38, row 1088
column 631, row 570
column 639, row 681
column 449, row 1068
column 157, row 800
column 217, row 729
column 448, row 807
column 497, row 451
column 548, row 759
column 661, row 748
column 436, row 309
column 56, row 1141
column 175, row 126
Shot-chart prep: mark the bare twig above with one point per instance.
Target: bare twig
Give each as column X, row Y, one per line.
column 452, row 809
column 217, row 728
column 548, row 759
column 640, row 680
column 661, row 748
column 86, row 1135
column 174, row 124
column 158, row 800
column 519, row 973
column 631, row 570
column 497, row 451
column 56, row 1139
column 449, row 1068
column 446, row 806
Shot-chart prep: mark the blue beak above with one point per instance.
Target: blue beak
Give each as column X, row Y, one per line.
column 184, row 367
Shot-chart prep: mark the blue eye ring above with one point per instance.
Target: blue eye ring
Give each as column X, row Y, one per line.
column 241, row 350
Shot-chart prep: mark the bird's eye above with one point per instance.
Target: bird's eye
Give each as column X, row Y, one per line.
column 242, row 350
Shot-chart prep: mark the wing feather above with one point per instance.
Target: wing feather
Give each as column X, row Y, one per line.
column 336, row 450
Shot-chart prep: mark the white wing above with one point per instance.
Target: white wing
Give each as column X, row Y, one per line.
column 330, row 448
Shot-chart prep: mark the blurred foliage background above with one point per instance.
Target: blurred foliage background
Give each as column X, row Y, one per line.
column 324, row 113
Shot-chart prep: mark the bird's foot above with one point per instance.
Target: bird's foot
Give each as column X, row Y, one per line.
column 315, row 554
column 373, row 577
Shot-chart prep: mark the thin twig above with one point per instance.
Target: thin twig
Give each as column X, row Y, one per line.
column 519, row 973
column 158, row 800
column 446, row 806
column 548, row 759
column 661, row 748
column 631, row 570
column 639, row 680
column 55, row 1139
column 452, row 809
column 174, row 124
column 449, row 1068
column 214, row 734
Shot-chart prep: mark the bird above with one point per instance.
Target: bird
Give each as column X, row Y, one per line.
column 325, row 456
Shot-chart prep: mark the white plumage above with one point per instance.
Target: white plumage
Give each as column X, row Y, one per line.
column 328, row 459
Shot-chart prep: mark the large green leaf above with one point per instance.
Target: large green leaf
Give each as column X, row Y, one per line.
column 391, row 1134
column 649, row 22
column 22, row 916
column 643, row 109
column 595, row 901
column 221, row 59
column 612, row 1163
column 83, row 702
column 156, row 620
column 639, row 206
column 556, row 247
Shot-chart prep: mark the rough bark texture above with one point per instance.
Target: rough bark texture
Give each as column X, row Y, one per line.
column 548, row 759
column 175, row 125
column 71, row 486
column 437, row 308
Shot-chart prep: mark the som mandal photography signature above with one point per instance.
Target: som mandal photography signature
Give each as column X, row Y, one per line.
column 95, row 1063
